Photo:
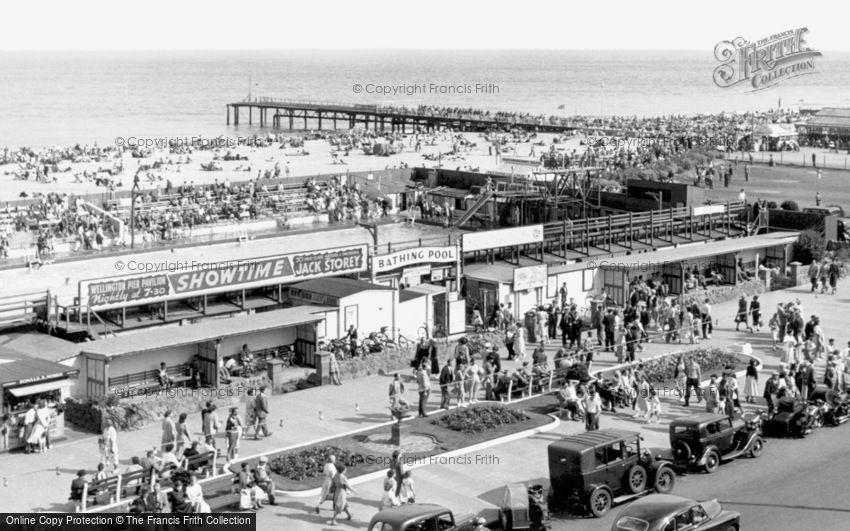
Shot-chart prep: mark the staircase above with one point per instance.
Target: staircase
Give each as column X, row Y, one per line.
column 472, row 210
column 22, row 309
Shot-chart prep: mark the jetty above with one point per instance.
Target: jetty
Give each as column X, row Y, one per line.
column 286, row 114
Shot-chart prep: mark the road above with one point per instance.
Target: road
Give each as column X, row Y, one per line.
column 794, row 485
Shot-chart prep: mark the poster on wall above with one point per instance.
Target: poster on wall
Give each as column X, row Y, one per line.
column 552, row 287
column 587, row 279
column 351, row 316
column 531, row 277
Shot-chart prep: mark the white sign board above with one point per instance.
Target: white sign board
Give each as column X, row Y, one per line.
column 492, row 239
column 417, row 271
column 709, row 209
column 530, row 277
column 417, row 255
column 457, row 317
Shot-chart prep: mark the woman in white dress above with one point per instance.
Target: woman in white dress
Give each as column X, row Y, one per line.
column 519, row 343
column 328, row 473
column 110, row 442
column 473, row 382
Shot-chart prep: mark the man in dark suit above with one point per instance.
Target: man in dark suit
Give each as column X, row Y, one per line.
column 447, row 376
column 261, row 409
column 608, row 324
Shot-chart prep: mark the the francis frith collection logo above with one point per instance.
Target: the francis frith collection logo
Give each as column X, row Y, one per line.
column 766, row 62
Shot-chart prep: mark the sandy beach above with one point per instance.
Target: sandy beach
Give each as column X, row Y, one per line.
column 318, row 162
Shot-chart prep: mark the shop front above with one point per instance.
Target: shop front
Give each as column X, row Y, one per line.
column 27, row 383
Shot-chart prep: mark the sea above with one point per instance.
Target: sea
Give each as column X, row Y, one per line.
column 65, row 98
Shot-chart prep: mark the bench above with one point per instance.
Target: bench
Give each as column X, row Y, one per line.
column 179, row 374
column 206, row 463
column 99, row 488
column 221, row 493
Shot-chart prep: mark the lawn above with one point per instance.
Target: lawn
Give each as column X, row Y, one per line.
column 363, row 456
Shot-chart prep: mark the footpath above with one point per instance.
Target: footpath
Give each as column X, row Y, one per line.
column 314, row 414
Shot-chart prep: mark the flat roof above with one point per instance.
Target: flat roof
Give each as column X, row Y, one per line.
column 698, row 250
column 338, row 287
column 153, row 339
column 500, row 272
column 17, row 368
column 43, row 346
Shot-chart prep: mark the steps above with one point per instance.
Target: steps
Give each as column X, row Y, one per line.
column 472, row 210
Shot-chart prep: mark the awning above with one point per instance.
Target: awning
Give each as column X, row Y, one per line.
column 27, row 390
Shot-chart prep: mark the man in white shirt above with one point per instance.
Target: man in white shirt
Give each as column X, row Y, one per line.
column 592, row 409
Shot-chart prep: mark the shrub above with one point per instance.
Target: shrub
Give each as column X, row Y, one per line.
column 791, row 205
column 480, row 418
column 772, row 205
column 309, row 463
column 809, row 247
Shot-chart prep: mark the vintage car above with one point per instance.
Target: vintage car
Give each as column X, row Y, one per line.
column 421, row 517
column 662, row 512
column 707, row 439
column 600, row 468
column 834, row 406
column 794, row 417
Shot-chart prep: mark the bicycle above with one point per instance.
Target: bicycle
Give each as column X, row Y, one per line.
column 290, row 357
column 400, row 342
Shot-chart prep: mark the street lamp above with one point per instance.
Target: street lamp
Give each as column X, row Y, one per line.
column 134, row 193
column 373, row 230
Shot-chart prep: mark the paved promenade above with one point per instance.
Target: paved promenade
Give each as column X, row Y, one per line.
column 362, row 403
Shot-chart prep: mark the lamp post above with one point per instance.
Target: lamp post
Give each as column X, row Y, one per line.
column 657, row 197
column 133, row 195
column 373, row 230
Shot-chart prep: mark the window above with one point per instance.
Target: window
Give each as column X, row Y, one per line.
column 445, row 521
column 630, row 523
column 609, row 454
column 381, row 526
column 712, row 428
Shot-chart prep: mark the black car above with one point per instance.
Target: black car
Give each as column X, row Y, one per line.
column 794, row 417
column 599, row 468
column 673, row 513
column 708, row 439
column 834, row 406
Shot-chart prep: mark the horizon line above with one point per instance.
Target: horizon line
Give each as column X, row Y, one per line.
column 136, row 50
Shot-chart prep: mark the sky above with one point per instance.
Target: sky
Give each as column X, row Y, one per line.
column 405, row 24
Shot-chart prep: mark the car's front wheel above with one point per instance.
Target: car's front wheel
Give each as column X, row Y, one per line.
column 600, row 502
column 757, row 448
column 637, row 479
column 712, row 462
column 664, row 480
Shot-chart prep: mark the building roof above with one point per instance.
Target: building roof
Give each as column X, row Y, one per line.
column 830, row 117
column 161, row 338
column 15, row 367
column 644, row 261
column 337, row 287
column 499, row 273
column 42, row 346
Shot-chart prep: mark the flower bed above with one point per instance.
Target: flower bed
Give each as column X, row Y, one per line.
column 663, row 369
column 308, row 463
column 709, row 359
column 720, row 294
column 480, row 419
column 363, row 456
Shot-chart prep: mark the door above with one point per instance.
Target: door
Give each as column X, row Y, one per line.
column 439, row 322
column 208, row 363
column 672, row 275
column 305, row 343
column 95, row 377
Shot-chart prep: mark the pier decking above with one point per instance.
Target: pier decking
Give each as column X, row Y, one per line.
column 286, row 114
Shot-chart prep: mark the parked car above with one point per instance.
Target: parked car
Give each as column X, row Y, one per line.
column 835, row 406
column 662, row 512
column 419, row 517
column 708, row 439
column 794, row 417
column 600, row 468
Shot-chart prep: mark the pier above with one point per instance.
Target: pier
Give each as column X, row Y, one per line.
column 289, row 114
